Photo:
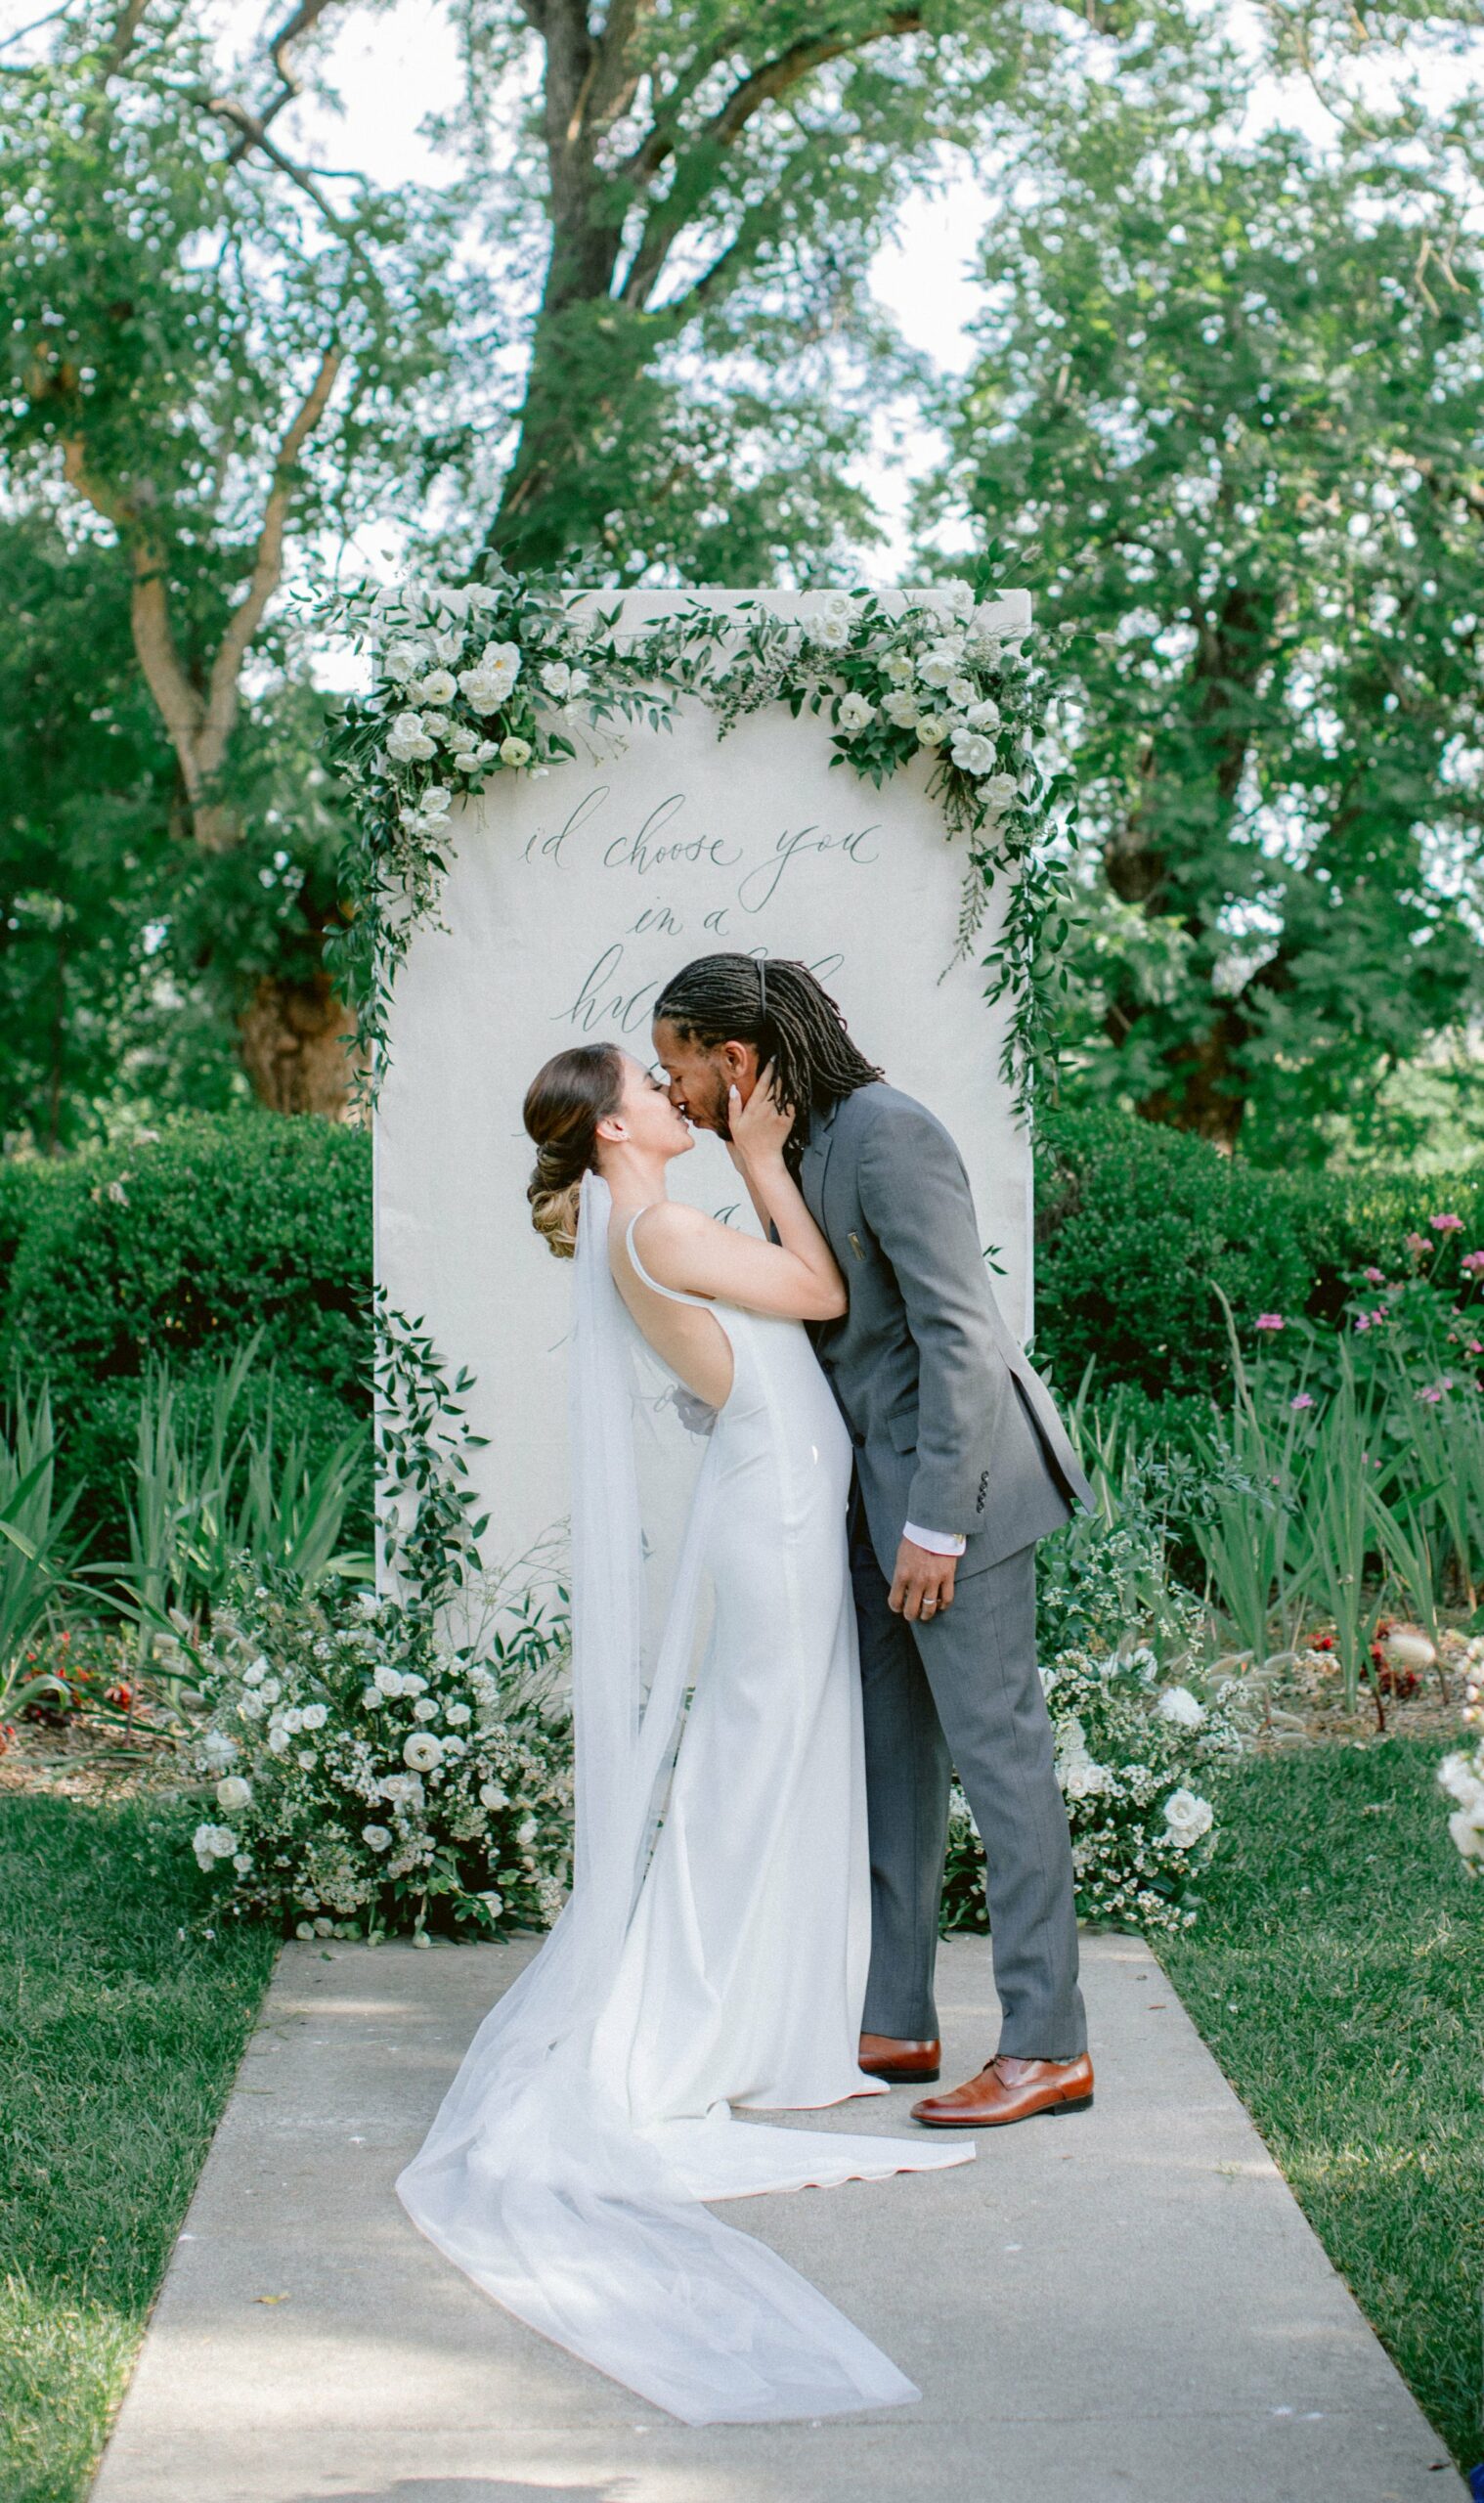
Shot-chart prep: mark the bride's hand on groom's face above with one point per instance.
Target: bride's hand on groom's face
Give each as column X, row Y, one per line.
column 760, row 1126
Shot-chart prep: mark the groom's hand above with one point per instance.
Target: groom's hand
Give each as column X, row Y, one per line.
column 923, row 1583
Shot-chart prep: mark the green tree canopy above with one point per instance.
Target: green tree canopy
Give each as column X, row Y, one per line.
column 1230, row 394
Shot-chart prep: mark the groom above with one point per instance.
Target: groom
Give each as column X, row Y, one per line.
column 961, row 1465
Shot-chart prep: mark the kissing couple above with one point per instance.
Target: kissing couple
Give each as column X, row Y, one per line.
column 769, row 1699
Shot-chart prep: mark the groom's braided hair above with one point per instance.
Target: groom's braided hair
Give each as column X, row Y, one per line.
column 784, row 1012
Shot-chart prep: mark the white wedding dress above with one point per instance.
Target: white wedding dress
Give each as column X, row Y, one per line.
column 712, row 1956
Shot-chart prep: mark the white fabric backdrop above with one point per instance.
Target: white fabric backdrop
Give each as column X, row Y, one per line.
column 569, row 902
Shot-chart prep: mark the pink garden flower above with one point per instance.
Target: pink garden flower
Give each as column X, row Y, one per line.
column 1303, row 1399
column 1473, row 1261
column 1374, row 1277
column 1447, row 1224
column 1418, row 1243
column 1269, row 1321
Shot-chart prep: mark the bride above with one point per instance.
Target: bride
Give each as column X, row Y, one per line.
column 711, row 1958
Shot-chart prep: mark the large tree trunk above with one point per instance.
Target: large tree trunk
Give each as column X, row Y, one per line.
column 297, row 1044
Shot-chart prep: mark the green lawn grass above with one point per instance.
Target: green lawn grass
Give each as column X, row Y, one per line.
column 118, row 2042
column 1337, row 1973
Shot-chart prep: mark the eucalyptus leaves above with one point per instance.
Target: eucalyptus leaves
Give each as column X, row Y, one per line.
column 520, row 674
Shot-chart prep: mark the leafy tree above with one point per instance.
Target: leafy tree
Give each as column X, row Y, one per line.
column 1234, row 396
column 702, row 186
column 210, row 346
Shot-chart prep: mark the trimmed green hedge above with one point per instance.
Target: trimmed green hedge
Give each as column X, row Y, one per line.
column 1135, row 1221
column 225, row 1224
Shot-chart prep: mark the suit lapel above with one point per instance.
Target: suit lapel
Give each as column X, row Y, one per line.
column 813, row 1162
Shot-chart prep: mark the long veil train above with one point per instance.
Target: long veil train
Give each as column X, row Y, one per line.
column 534, row 2177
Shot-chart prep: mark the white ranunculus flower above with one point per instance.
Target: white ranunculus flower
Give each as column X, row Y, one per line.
column 422, row 1751
column 440, row 686
column 961, row 692
column 514, row 750
column 1187, row 1817
column 932, row 731
column 972, row 753
column 1001, row 792
column 315, row 1716
column 492, row 1796
column 985, row 715
column 387, row 1681
column 556, row 679
column 899, row 667
column 408, row 742
column 855, row 712
column 901, row 707
column 455, row 1714
column 376, row 1837
column 1178, row 1705
column 424, row 1709
column 234, row 1793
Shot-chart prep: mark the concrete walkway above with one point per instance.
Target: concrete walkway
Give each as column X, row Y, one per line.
column 1126, row 2304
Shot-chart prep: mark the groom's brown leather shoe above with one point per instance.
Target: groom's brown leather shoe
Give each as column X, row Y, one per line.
column 900, row 2063
column 1010, row 2090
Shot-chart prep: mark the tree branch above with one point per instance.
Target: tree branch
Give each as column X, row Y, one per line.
column 223, row 693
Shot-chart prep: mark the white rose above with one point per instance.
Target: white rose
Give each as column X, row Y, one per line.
column 372, row 1698
column 931, row 730
column 493, row 1904
column 972, row 753
column 402, row 662
column 424, row 1709
column 829, row 634
column 217, row 1748
column 961, row 692
column 422, row 1751
column 455, row 1714
column 413, row 1682
column 255, row 1672
column 1188, row 1818
column 985, row 715
column 514, row 750
column 901, row 706
column 234, row 1793
column 387, row 1681
column 408, row 742
column 376, row 1837
column 488, row 682
column 556, row 679
column 855, row 712
column 314, row 1716
column 1468, row 1831
column 1001, row 792
column 492, row 1796
column 278, row 1740
column 242, row 1864
column 454, row 1745
column 577, row 682
column 1178, row 1705
column 293, row 1720
column 252, row 1706
column 440, row 686
column 939, row 663
column 900, row 667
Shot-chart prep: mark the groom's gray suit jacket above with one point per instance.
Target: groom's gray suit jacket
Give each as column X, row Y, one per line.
column 952, row 1428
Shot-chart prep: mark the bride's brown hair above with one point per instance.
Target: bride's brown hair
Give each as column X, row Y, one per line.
column 564, row 1104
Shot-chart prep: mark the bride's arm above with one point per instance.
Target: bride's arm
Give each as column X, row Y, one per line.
column 796, row 1276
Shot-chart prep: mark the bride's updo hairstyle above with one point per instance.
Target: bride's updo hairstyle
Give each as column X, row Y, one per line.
column 564, row 1104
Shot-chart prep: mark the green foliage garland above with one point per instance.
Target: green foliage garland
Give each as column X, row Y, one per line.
column 511, row 673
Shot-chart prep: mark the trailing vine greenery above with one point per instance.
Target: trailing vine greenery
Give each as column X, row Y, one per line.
column 517, row 674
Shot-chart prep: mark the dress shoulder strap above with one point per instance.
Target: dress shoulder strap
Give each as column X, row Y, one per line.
column 675, row 1295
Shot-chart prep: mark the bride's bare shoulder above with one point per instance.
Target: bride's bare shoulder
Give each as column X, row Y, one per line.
column 667, row 1232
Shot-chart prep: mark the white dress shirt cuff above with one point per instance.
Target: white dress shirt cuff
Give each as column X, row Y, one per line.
column 938, row 1542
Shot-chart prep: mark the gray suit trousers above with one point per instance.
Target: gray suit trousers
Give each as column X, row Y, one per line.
column 962, row 1692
